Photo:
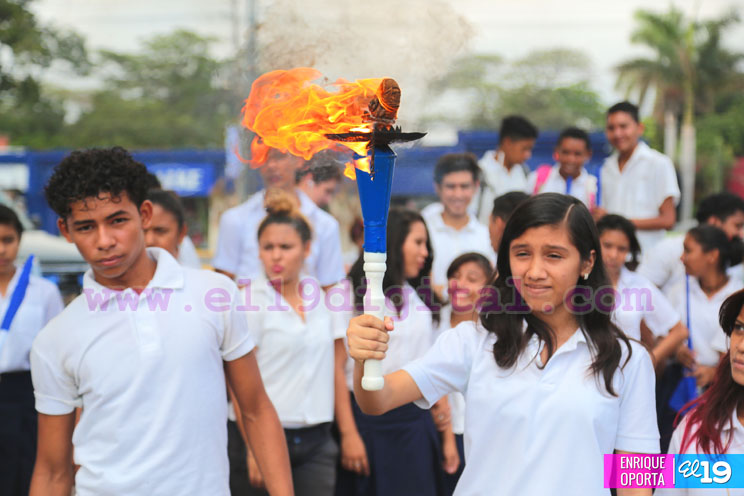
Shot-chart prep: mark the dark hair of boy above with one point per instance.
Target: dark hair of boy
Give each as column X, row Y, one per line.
column 516, row 127
column 8, row 217
column 504, row 205
column 153, row 182
column 456, row 162
column 170, row 202
column 575, row 133
column 719, row 205
column 626, row 107
column 88, row 173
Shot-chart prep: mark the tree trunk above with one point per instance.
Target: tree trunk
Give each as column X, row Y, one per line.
column 687, row 169
column 670, row 135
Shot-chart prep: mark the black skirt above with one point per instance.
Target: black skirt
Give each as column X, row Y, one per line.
column 403, row 450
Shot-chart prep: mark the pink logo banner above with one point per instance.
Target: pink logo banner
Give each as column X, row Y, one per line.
column 638, row 471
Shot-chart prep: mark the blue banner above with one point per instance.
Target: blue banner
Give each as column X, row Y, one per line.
column 709, row 471
column 186, row 179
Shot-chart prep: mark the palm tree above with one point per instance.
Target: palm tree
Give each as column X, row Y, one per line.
column 689, row 66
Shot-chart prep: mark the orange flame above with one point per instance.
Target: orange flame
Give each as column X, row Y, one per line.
column 292, row 114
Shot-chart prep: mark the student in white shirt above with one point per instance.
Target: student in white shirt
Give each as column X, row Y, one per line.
column 715, row 425
column 454, row 230
column 663, row 266
column 164, row 232
column 568, row 176
column 296, row 344
column 402, row 447
column 502, row 208
column 640, row 310
column 707, row 254
column 167, row 228
column 467, row 275
column 542, row 377
column 237, row 248
column 636, row 181
column 146, row 353
column 504, row 170
column 27, row 303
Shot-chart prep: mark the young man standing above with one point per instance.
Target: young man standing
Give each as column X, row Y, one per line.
column 454, row 231
column 568, row 176
column 504, row 169
column 237, row 245
column 144, row 353
column 637, row 182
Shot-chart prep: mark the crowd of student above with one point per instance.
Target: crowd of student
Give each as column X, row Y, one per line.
column 528, row 317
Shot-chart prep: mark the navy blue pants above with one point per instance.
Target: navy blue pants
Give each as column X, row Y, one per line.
column 403, row 450
column 18, row 425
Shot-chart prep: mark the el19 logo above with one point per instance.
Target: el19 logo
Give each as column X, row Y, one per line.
column 701, row 469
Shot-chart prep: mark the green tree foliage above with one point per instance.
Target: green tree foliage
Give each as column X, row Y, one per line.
column 167, row 95
column 551, row 87
column 28, row 114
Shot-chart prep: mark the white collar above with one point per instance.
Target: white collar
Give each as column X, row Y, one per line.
column 168, row 275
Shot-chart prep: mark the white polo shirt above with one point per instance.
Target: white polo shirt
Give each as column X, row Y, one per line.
column 735, row 433
column 583, row 187
column 187, row 255
column 147, row 372
column 449, row 243
column 495, row 181
column 662, row 265
column 533, row 431
column 639, row 300
column 237, row 244
column 41, row 303
column 637, row 192
column 295, row 355
column 708, row 339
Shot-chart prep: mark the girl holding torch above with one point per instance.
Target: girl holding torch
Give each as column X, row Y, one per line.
column 545, row 373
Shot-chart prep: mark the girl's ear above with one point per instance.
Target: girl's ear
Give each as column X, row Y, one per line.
column 307, row 249
column 588, row 265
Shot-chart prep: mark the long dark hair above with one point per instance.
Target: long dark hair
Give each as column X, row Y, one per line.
column 715, row 407
column 602, row 335
column 398, row 228
column 711, row 238
column 613, row 222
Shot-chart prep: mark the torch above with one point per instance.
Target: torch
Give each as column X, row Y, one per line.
column 288, row 113
column 374, row 195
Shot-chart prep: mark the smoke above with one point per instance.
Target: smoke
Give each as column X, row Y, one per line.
column 412, row 41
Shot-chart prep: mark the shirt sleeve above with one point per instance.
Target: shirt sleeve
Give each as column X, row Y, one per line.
column 662, row 316
column 229, row 242
column 658, row 265
column 665, row 183
column 54, row 388
column 329, row 267
column 237, row 340
column 445, row 368
column 637, row 431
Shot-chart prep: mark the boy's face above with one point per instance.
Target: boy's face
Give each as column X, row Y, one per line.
column 164, row 231
column 516, row 151
column 456, row 192
column 623, row 132
column 571, row 154
column 10, row 241
column 279, row 171
column 108, row 232
column 733, row 225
